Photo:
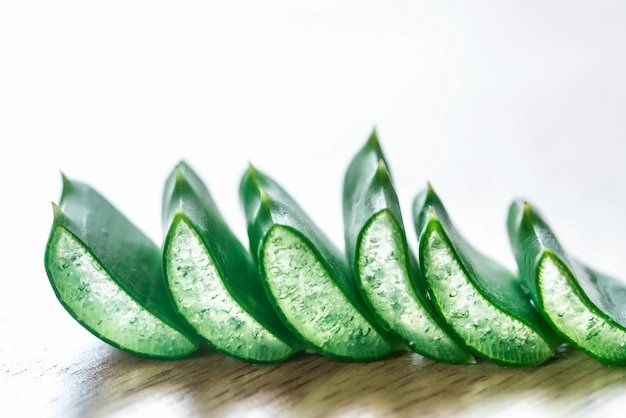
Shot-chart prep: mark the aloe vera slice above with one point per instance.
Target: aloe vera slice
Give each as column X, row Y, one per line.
column 213, row 281
column 482, row 301
column 107, row 274
column 306, row 278
column 386, row 271
column 585, row 306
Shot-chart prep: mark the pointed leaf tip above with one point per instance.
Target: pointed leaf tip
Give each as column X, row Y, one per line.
column 381, row 170
column 66, row 186
column 253, row 174
column 182, row 166
column 57, row 213
column 265, row 197
column 429, row 189
column 527, row 211
column 179, row 177
column 372, row 141
column 65, row 180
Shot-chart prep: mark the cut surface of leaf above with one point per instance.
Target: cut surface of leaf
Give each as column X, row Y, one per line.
column 306, row 278
column 386, row 271
column 583, row 305
column 107, row 275
column 481, row 300
column 212, row 280
column 492, row 333
column 312, row 303
column 103, row 307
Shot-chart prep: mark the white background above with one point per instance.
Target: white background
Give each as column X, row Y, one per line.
column 488, row 100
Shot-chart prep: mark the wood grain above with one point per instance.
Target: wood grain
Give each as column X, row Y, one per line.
column 98, row 380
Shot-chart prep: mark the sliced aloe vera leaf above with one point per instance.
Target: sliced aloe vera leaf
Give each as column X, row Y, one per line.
column 583, row 305
column 107, row 274
column 386, row 271
column 214, row 284
column 306, row 278
column 482, row 301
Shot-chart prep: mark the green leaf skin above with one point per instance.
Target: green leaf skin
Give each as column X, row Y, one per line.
column 386, row 271
column 583, row 305
column 306, row 277
column 212, row 278
column 482, row 301
column 107, row 274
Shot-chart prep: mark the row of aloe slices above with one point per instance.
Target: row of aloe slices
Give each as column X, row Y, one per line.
column 295, row 291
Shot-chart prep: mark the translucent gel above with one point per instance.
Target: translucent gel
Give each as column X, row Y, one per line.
column 486, row 329
column 312, row 303
column 202, row 298
column 566, row 310
column 95, row 300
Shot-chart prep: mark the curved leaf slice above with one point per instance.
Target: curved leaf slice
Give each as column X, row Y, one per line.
column 107, row 274
column 585, row 306
column 213, row 281
column 482, row 301
column 386, row 271
column 306, row 277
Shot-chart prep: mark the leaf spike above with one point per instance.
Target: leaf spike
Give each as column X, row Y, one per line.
column 178, row 173
column 372, row 142
column 381, row 170
column 266, row 199
column 429, row 189
column 66, row 181
column 56, row 212
column 253, row 173
column 527, row 214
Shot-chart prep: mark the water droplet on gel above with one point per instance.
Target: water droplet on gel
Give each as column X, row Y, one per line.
column 453, row 293
column 459, row 314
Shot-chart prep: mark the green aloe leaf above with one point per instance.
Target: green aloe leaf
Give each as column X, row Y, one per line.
column 306, row 277
column 107, row 274
column 386, row 271
column 585, row 306
column 213, row 281
column 482, row 301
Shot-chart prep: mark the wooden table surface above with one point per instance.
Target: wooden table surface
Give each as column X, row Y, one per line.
column 66, row 372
